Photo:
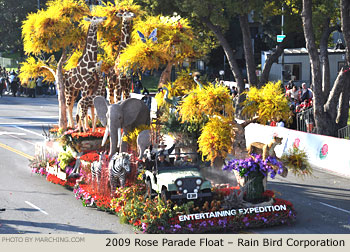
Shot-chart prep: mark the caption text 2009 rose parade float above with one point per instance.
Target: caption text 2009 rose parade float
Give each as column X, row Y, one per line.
column 152, row 178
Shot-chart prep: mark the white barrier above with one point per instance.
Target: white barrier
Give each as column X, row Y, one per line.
column 326, row 152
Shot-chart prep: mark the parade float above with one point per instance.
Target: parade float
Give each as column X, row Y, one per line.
column 117, row 167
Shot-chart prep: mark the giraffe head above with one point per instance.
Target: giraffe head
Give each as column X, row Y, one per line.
column 126, row 16
column 95, row 20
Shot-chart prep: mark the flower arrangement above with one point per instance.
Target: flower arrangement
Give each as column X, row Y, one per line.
column 269, row 102
column 297, row 162
column 156, row 216
column 255, row 163
column 72, row 137
column 90, row 157
column 216, row 140
column 65, row 158
column 55, row 180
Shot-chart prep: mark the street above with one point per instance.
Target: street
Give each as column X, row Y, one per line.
column 32, row 205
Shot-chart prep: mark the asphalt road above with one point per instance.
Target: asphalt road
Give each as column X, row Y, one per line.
column 33, row 205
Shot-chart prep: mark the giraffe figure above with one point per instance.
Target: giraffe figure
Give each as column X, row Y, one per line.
column 82, row 77
column 121, row 82
column 88, row 101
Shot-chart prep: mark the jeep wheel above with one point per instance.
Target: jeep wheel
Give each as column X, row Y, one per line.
column 165, row 195
column 148, row 189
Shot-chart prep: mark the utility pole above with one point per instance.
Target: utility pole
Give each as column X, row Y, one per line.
column 38, row 4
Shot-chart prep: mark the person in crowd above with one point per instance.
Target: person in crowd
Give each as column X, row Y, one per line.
column 147, row 99
column 138, row 87
column 39, row 85
column 2, row 84
column 292, row 118
column 14, row 85
column 306, row 93
column 280, row 123
column 293, row 93
column 52, row 88
column 31, row 86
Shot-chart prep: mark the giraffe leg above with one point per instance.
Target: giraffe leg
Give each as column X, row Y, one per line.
column 70, row 114
column 119, row 94
column 93, row 118
column 87, row 119
column 126, row 93
column 111, row 95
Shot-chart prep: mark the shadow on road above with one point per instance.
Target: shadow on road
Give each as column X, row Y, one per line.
column 6, row 227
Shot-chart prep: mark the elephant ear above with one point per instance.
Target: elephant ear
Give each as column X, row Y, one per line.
column 101, row 106
column 131, row 110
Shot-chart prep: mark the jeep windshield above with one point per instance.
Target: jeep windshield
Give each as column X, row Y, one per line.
column 177, row 168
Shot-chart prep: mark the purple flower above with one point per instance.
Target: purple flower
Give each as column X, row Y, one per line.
column 203, row 224
column 177, row 226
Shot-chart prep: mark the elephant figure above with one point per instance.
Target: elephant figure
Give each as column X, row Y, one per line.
column 143, row 141
column 126, row 115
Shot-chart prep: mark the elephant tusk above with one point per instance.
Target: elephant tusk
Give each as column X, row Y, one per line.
column 119, row 136
column 105, row 136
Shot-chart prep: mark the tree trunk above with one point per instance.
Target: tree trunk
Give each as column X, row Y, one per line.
column 345, row 25
column 248, row 50
column 324, row 57
column 273, row 58
column 165, row 77
column 309, row 34
column 60, row 87
column 328, row 120
column 343, row 112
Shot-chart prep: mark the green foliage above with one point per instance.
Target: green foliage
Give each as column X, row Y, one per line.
column 12, row 13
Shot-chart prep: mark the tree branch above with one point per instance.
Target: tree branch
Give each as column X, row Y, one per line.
column 50, row 70
column 273, row 58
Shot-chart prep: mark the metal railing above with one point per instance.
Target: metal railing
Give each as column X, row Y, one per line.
column 305, row 120
column 344, row 132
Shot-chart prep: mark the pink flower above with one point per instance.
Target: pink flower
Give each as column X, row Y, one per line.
column 324, row 150
column 296, row 143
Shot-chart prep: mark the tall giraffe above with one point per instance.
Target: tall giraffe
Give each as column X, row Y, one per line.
column 88, row 101
column 119, row 80
column 82, row 77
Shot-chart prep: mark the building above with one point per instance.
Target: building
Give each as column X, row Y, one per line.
column 297, row 65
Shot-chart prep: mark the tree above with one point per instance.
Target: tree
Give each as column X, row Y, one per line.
column 173, row 43
column 216, row 16
column 331, row 106
column 12, row 13
column 54, row 29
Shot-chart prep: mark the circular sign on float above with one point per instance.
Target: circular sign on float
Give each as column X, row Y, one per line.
column 323, row 151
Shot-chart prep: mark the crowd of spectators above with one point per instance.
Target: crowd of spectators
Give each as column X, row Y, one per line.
column 10, row 84
column 300, row 100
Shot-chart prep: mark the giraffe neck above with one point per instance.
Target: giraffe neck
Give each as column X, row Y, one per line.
column 90, row 51
column 125, row 35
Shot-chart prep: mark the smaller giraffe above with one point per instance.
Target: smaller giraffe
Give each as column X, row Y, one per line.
column 117, row 80
column 88, row 101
